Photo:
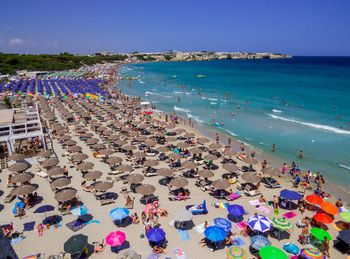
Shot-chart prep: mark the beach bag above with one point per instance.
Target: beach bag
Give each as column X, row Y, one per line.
column 277, row 212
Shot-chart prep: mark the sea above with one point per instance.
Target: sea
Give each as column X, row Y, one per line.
column 302, row 103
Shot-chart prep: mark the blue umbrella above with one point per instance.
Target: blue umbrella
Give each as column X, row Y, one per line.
column 235, row 210
column 259, row 242
column 79, row 211
column 290, row 195
column 119, row 213
column 155, row 234
column 259, row 223
column 44, row 208
column 215, row 233
column 223, row 223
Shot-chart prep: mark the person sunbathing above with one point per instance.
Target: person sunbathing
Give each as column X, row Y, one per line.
column 135, row 218
column 228, row 240
column 99, row 248
column 163, row 213
column 6, row 230
column 19, row 211
column 88, row 188
column 262, row 199
column 203, row 241
column 40, row 229
column 158, row 249
column 128, row 202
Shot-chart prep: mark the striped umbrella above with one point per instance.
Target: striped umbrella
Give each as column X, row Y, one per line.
column 259, row 242
column 312, row 253
column 236, row 253
column 259, row 223
column 281, row 224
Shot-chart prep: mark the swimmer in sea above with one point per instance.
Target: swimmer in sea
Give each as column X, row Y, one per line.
column 222, row 123
column 301, row 154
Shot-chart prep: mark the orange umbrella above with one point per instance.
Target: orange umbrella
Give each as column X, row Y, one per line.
column 329, row 208
column 314, row 199
column 322, row 218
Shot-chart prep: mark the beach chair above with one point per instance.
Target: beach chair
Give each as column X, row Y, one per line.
column 249, row 191
column 198, row 209
column 9, row 198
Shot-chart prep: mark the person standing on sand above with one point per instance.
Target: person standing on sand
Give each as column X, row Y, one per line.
column 273, row 148
column 229, row 142
column 275, row 202
column 301, row 154
column 217, row 137
column 242, row 147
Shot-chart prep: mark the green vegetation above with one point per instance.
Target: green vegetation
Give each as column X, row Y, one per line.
column 9, row 63
column 145, row 58
column 168, row 57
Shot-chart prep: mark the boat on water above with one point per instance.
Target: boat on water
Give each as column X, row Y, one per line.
column 200, row 75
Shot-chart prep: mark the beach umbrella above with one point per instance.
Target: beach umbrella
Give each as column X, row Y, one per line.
column 236, row 253
column 230, row 167
column 44, row 208
column 65, row 137
column 251, row 178
column 103, row 186
column 150, row 143
column 205, row 173
column 196, row 151
column 270, row 252
column 235, row 210
column 259, row 223
column 21, row 178
column 23, row 190
column 92, row 141
column 183, row 145
column 50, row 162
column 106, row 152
column 124, row 168
column 93, row 175
column 99, row 146
column 55, row 171
column 182, row 215
column 129, row 148
column 140, row 154
column 281, row 224
column 75, row 244
column 174, row 156
column 74, row 149
column 202, row 140
column 344, row 235
column 320, row 234
column 250, row 161
column 79, row 211
column 189, row 135
column 178, row 182
column 114, row 160
column 135, row 178
column 60, row 182
column 70, row 142
column 221, row 184
column 119, row 213
column 65, row 195
column 128, row 254
column 312, row 253
column 155, row 234
column 189, row 165
column 290, row 195
column 84, row 166
column 215, row 233
column 210, row 157
column 345, row 216
column 329, row 208
column 259, row 242
column 45, row 153
column 322, row 218
column 229, row 152
column 80, row 157
column 18, row 167
column 113, row 137
column 151, row 163
column 115, row 238
column 145, row 189
column 16, row 157
column 141, row 138
column 223, row 223
column 271, row 171
column 314, row 199
column 166, row 172
column 215, row 146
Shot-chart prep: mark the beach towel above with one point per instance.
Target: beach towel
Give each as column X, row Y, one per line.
column 15, row 240
column 290, row 215
column 91, row 221
column 200, row 228
column 179, row 253
column 183, row 234
column 237, row 242
column 255, row 202
column 241, row 225
column 39, row 255
column 263, row 209
column 220, row 205
column 29, row 226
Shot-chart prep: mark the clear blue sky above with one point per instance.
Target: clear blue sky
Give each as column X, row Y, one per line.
column 297, row 27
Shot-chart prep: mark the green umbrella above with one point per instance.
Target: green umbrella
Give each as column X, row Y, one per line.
column 281, row 224
column 320, row 233
column 270, row 252
column 75, row 244
column 345, row 216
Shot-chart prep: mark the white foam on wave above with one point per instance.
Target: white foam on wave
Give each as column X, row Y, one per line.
column 213, row 103
column 196, row 118
column 181, row 109
column 276, row 111
column 176, row 92
column 141, row 81
column 212, row 99
column 230, row 132
column 344, row 166
column 148, row 93
column 313, row 125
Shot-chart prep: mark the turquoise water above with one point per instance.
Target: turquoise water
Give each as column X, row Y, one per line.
column 297, row 104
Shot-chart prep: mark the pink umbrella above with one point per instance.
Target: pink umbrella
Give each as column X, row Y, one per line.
column 115, row 238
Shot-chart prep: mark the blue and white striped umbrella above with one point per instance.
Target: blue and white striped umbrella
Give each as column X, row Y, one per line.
column 223, row 223
column 259, row 242
column 259, row 223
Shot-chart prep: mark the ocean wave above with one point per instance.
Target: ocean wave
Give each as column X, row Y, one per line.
column 230, row 132
column 167, row 96
column 276, row 111
column 196, row 118
column 213, row 103
column 212, row 99
column 344, row 166
column 141, row 81
column 176, row 92
column 181, row 109
column 313, row 125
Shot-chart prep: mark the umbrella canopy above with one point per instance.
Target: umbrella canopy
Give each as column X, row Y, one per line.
column 113, row 137
column 202, row 140
column 221, row 184
column 210, row 157
column 141, row 138
column 75, row 244
column 314, row 199
column 129, row 148
column 166, row 172
column 215, row 233
column 290, row 195
column 50, row 162
column 70, row 142
column 18, row 167
column 189, row 165
column 119, row 213
column 23, row 190
column 230, row 167
column 215, row 146
column 345, row 216
column 196, row 151
column 120, row 142
column 103, row 186
column 145, row 189
column 106, row 152
column 322, row 218
column 281, row 224
column 259, row 242
column 65, row 137
column 205, row 173
column 320, row 234
column 178, row 182
column 140, row 155
column 65, row 195
column 259, row 223
column 182, row 215
column 16, row 157
column 46, row 153
column 150, row 143
column 223, row 223
column 114, row 160
column 99, row 146
column 270, row 252
column 250, row 161
column 235, row 210
column 312, row 253
column 272, row 171
column 135, row 178
column 251, row 178
column 84, row 166
column 236, row 253
column 79, row 211
column 329, row 208
column 345, row 236
column 115, row 238
column 163, row 149
column 92, row 141
column 21, row 178
column 80, row 157
column 229, row 152
column 155, row 234
column 128, row 254
column 75, row 149
column 124, row 168
column 61, row 182
column 183, row 145
column 55, row 171
column 174, row 156
column 151, row 163
column 93, row 175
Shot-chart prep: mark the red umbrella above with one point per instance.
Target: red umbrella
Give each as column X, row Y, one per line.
column 314, row 199
column 322, row 218
column 148, row 113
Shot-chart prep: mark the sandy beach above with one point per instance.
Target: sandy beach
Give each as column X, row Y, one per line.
column 52, row 241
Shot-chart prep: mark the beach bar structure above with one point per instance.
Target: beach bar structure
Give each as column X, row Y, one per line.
column 20, row 124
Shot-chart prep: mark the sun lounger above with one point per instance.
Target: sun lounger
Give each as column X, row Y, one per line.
column 75, row 225
column 149, row 174
column 9, row 198
column 251, row 192
column 198, row 208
